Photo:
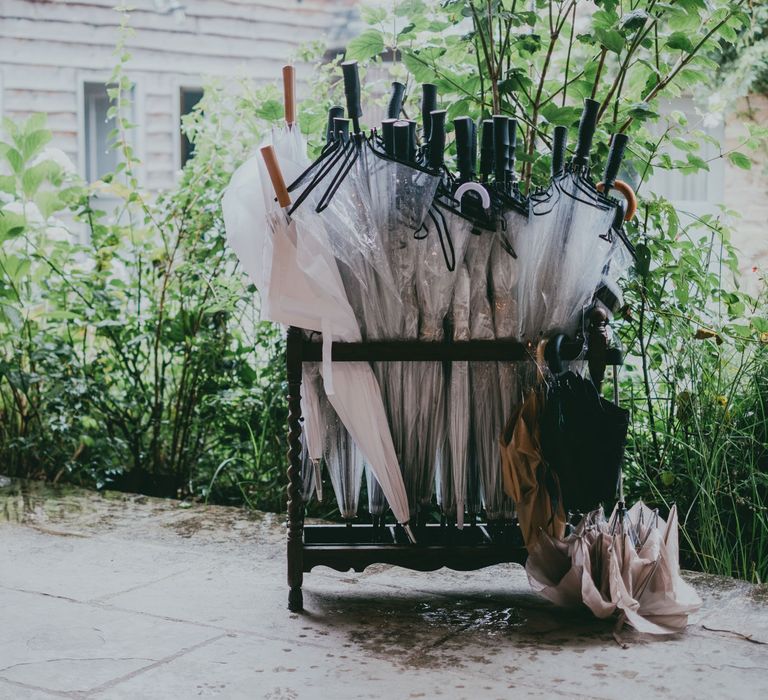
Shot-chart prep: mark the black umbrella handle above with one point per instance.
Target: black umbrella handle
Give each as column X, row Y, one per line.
column 615, row 156
column 428, row 105
column 465, row 150
column 436, row 145
column 396, row 101
column 388, row 135
column 587, row 127
column 402, row 130
column 411, row 139
column 501, row 147
column 333, row 113
column 559, row 144
column 512, row 131
column 553, row 354
column 352, row 93
column 487, row 150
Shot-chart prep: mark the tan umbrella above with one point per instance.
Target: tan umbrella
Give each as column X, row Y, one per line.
column 526, row 475
column 626, row 566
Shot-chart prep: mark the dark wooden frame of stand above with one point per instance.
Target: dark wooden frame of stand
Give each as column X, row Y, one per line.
column 352, row 547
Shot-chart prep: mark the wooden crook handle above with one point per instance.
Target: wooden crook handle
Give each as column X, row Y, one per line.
column 629, row 195
column 289, row 94
column 276, row 176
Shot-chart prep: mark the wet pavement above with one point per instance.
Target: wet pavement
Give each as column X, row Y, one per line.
column 122, row 596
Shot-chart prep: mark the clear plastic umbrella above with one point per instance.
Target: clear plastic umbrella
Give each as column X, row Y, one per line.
column 247, row 198
column 437, row 253
column 315, row 417
column 345, row 467
column 504, row 276
column 485, row 395
column 570, row 240
column 377, row 501
column 303, row 280
column 309, row 475
column 458, row 404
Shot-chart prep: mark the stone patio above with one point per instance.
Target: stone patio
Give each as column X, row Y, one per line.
column 120, row 596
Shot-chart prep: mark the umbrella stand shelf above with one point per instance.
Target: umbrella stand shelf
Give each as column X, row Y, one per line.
column 356, row 546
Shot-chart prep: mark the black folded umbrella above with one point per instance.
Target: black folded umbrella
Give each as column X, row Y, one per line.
column 582, row 439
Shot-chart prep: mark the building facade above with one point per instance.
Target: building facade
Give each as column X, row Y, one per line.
column 56, row 57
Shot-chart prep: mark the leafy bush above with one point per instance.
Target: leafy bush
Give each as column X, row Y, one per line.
column 134, row 359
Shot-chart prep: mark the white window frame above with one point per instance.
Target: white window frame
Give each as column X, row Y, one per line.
column 178, row 86
column 137, row 134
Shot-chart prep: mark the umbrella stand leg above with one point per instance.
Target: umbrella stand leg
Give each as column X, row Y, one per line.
column 295, row 503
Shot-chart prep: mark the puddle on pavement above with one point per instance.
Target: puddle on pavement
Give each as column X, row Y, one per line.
column 30, row 501
column 439, row 632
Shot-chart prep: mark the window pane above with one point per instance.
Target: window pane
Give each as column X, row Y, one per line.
column 100, row 155
column 697, row 191
column 189, row 98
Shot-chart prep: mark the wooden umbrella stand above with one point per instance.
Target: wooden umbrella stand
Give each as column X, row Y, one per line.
column 356, row 546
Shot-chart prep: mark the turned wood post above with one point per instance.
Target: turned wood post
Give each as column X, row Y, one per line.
column 295, row 502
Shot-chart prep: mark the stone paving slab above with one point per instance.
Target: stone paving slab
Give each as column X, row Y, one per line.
column 123, row 596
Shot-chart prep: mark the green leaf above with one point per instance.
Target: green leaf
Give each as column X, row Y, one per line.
column 633, row 20
column 528, row 43
column 679, row 40
column 34, row 142
column 667, row 478
column 643, row 260
column 561, row 116
column 641, row 111
column 369, row 44
column 740, row 160
column 33, row 178
column 418, row 67
column 373, row 15
column 409, row 8
column 7, row 184
column 611, row 39
column 15, row 160
column 694, row 164
column 270, row 110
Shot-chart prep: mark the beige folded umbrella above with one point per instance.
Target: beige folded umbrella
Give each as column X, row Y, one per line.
column 525, row 473
column 626, row 566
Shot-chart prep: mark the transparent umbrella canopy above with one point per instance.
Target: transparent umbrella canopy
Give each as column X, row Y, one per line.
column 485, row 394
column 459, row 402
column 305, row 284
column 400, row 197
column 436, row 254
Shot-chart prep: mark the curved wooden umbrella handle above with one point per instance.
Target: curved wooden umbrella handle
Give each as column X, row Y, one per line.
column 629, row 195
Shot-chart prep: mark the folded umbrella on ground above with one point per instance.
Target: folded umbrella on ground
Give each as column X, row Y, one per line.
column 617, row 570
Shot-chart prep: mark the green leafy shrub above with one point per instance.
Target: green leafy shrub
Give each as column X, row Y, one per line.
column 135, row 359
